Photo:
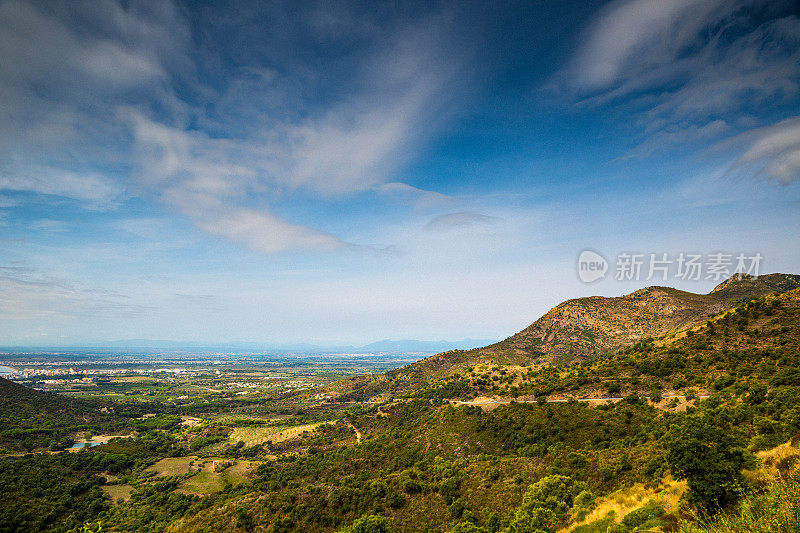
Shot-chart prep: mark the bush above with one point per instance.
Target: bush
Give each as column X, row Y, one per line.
column 707, row 450
column 655, row 395
column 244, row 520
column 368, row 524
column 545, row 505
column 650, row 512
column 449, row 489
column 457, row 508
column 467, row 527
column 775, row 510
column 584, row 500
column 395, row 501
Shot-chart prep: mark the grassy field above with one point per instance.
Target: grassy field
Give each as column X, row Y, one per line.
column 207, row 481
column 117, row 492
column 239, row 472
column 203, row 482
column 260, row 435
column 174, row 466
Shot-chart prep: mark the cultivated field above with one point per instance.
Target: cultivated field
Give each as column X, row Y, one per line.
column 260, row 435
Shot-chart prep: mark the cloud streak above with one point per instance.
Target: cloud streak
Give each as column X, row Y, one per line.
column 772, row 152
column 692, row 71
column 633, row 39
column 27, row 294
column 463, row 219
column 93, row 190
column 124, row 81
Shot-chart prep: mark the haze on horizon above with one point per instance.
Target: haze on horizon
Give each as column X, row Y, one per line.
column 343, row 172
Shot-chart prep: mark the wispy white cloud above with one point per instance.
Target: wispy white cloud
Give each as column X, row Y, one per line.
column 674, row 136
column 463, row 219
column 226, row 183
column 28, row 294
column 93, row 190
column 689, row 71
column 206, row 179
column 264, row 232
column 771, row 151
column 632, row 39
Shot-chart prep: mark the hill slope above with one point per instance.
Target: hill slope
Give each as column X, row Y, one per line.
column 587, row 327
column 427, row 464
column 29, row 417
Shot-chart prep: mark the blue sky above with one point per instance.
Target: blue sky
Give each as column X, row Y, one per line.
column 341, row 172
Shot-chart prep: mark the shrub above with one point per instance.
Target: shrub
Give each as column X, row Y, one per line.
column 775, row 510
column 467, row 527
column 707, row 450
column 368, row 524
column 643, row 515
column 457, row 508
column 545, row 505
column 412, row 486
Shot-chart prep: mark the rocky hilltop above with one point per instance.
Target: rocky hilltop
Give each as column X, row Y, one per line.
column 584, row 328
column 589, row 327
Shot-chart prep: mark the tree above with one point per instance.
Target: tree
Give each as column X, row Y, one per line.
column 545, row 505
column 368, row 523
column 707, row 450
column 467, row 527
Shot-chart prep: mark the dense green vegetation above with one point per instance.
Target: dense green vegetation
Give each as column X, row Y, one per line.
column 775, row 509
column 30, row 418
column 701, row 408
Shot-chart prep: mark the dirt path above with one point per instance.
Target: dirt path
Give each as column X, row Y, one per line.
column 358, row 433
column 491, row 403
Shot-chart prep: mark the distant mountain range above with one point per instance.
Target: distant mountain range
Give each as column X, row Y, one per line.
column 382, row 346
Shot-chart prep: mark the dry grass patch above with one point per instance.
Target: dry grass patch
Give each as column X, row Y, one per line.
column 190, row 421
column 202, row 483
column 118, row 492
column 775, row 463
column 626, row 500
column 259, row 435
column 174, row 466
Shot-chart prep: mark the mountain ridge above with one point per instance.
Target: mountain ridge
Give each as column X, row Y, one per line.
column 584, row 328
column 593, row 326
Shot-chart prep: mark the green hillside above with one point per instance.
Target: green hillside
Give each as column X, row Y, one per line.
column 697, row 429
column 30, row 418
column 427, row 464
